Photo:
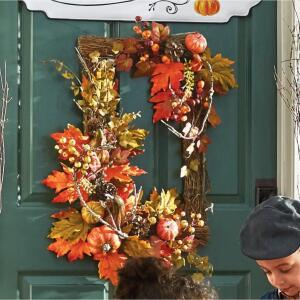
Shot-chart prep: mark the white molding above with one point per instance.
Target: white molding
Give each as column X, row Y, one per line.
column 285, row 136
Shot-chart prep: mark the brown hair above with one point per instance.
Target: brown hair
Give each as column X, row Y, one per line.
column 150, row 278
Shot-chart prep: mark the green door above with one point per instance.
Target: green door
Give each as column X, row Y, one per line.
column 243, row 148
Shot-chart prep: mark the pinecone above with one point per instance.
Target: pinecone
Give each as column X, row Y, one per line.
column 104, row 190
column 140, row 227
column 93, row 125
column 174, row 49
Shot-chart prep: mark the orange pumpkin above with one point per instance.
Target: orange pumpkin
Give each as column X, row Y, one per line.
column 195, row 42
column 103, row 239
column 207, row 7
column 167, row 229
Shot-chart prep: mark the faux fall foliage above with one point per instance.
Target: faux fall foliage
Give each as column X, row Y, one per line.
column 107, row 218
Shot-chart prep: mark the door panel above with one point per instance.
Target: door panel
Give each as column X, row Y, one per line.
column 243, row 148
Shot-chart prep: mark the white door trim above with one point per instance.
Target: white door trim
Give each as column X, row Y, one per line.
column 285, row 136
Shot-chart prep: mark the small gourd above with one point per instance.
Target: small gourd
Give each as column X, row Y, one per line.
column 195, row 42
column 167, row 229
column 103, row 239
column 207, row 7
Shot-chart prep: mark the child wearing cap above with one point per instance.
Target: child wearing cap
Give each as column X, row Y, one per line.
column 271, row 236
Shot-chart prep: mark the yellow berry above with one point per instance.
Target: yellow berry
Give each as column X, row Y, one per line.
column 85, row 166
column 71, row 159
column 63, row 140
column 191, row 230
column 177, row 252
column 152, row 220
column 72, row 142
column 201, row 223
column 77, row 164
column 198, row 216
column 72, row 149
column 184, row 223
column 183, row 118
column 87, row 159
column 56, row 147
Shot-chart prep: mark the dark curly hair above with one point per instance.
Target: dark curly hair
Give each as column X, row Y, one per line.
column 150, row 278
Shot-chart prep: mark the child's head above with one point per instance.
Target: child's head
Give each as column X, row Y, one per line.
column 151, row 278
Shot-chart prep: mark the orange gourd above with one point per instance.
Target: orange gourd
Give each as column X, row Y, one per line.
column 167, row 229
column 103, row 239
column 207, row 7
column 195, row 42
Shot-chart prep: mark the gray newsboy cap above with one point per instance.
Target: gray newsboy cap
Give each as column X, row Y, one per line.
column 272, row 230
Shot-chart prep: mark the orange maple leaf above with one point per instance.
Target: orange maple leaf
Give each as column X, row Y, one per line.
column 58, row 181
column 167, row 75
column 76, row 251
column 213, row 117
column 163, row 107
column 71, row 132
column 122, row 172
column 64, row 185
column 109, row 265
column 60, row 247
column 125, row 190
column 64, row 213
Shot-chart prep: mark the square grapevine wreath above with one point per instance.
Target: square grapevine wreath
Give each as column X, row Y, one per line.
column 108, row 219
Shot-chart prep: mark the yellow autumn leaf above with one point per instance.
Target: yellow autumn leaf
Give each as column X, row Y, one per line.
column 163, row 203
column 223, row 73
column 135, row 247
column 133, row 139
column 70, row 229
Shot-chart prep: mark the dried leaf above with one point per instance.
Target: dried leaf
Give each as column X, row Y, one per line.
column 70, row 229
column 213, row 117
column 203, row 143
column 135, row 247
column 143, row 68
column 163, row 203
column 190, row 148
column 184, row 171
column 194, row 165
column 223, row 73
column 117, row 47
column 133, row 138
column 123, row 63
column 159, row 32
